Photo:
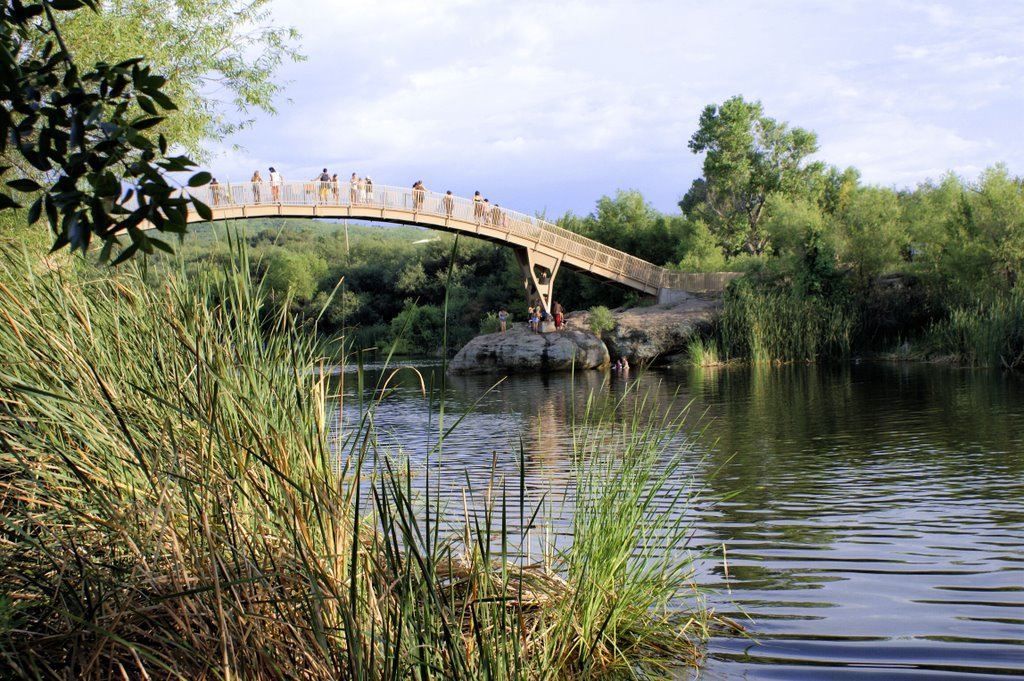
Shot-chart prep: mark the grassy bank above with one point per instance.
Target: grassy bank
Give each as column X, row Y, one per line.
column 775, row 327
column 178, row 505
column 986, row 334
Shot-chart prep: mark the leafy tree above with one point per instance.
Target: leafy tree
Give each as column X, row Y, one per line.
column 78, row 143
column 220, row 56
column 700, row 248
column 295, row 274
column 996, row 222
column 419, row 329
column 870, row 233
column 749, row 158
column 89, row 147
column 833, row 187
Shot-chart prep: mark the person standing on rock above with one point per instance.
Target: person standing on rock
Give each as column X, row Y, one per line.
column 558, row 315
column 503, row 318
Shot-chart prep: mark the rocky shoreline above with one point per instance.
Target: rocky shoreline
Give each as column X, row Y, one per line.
column 643, row 335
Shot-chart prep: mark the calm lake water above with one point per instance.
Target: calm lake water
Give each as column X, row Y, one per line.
column 871, row 515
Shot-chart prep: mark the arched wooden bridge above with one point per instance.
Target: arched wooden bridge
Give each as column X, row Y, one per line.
column 540, row 247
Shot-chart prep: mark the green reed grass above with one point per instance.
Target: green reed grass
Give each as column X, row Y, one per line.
column 177, row 504
column 703, row 352
column 783, row 326
column 987, row 334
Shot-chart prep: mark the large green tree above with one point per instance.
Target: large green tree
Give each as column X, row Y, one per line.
column 221, row 57
column 89, row 149
column 749, row 157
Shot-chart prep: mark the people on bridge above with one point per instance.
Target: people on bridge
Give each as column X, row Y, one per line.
column 325, row 185
column 214, row 191
column 275, row 184
column 353, row 189
column 478, row 207
column 361, row 190
column 449, row 204
column 486, row 205
column 369, row 189
column 497, row 216
column 419, row 194
column 335, row 188
column 257, row 184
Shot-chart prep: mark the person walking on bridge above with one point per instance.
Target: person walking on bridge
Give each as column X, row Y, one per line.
column 449, row 203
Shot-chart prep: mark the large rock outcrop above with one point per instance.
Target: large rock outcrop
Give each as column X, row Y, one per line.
column 521, row 350
column 641, row 334
column 645, row 334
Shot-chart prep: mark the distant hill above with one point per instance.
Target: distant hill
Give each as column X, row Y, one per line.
column 202, row 233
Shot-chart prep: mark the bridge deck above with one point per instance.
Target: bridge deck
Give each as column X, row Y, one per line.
column 449, row 213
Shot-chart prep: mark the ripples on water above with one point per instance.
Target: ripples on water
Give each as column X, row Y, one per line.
column 877, row 532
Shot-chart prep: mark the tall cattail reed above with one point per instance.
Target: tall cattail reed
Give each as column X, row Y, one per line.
column 177, row 505
column 767, row 327
column 988, row 334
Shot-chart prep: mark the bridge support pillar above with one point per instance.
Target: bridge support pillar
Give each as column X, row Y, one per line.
column 539, row 271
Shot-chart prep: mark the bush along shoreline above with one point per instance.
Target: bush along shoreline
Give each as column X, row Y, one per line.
column 179, row 504
column 770, row 324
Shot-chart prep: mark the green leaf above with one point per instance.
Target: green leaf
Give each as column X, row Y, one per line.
column 125, row 254
column 24, row 185
column 144, row 123
column 162, row 245
column 200, row 179
column 35, row 211
column 108, row 246
column 66, row 5
column 146, row 104
column 163, row 100
column 204, row 211
column 51, row 211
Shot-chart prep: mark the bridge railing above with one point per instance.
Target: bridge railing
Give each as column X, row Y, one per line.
column 385, row 197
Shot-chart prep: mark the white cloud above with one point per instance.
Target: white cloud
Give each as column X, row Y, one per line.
column 559, row 103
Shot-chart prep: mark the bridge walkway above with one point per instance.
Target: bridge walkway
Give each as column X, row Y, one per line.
column 541, row 247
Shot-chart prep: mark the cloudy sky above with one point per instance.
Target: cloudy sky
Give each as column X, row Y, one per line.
column 547, row 106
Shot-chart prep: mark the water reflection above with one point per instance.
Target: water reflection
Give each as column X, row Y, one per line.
column 870, row 515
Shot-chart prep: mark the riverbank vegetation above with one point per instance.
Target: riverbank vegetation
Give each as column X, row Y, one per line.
column 838, row 270
column 835, row 268
column 181, row 501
